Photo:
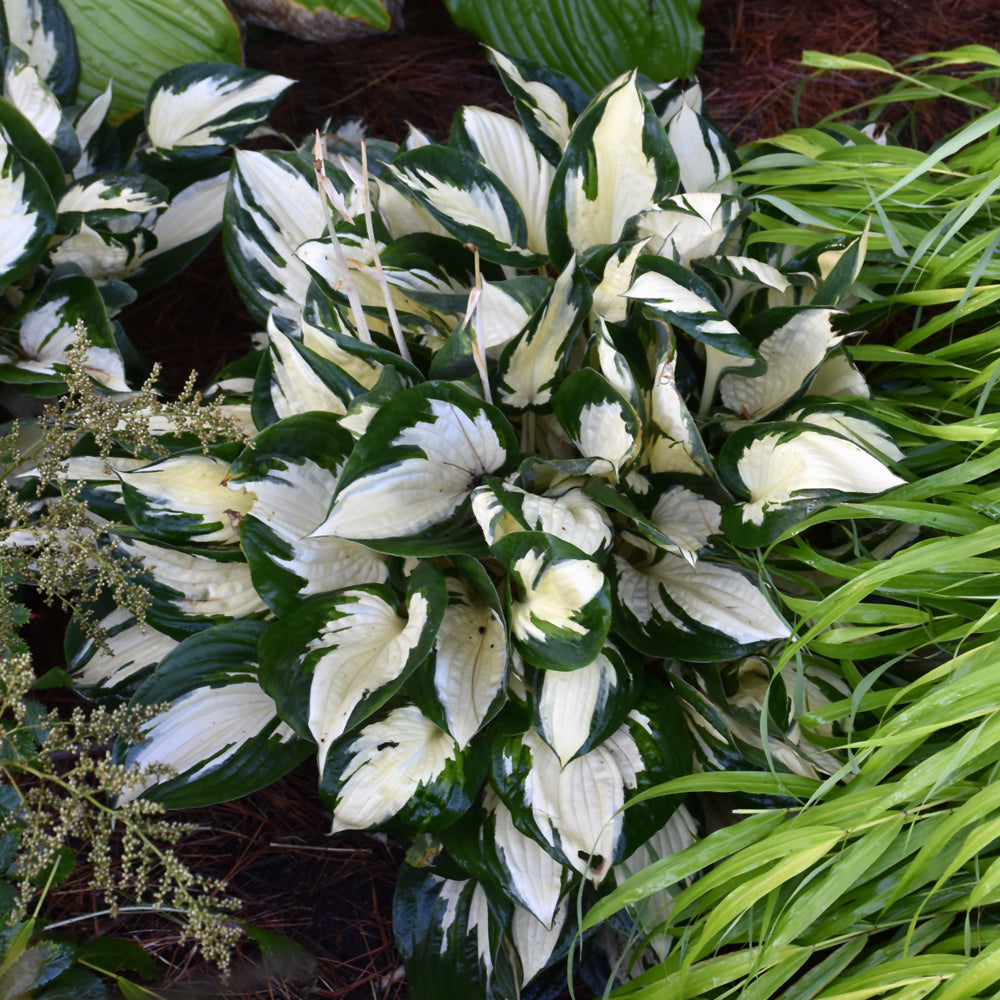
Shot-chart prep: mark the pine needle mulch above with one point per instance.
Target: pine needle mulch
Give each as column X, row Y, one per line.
column 334, row 897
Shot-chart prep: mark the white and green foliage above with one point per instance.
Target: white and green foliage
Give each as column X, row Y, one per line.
column 503, row 506
column 91, row 214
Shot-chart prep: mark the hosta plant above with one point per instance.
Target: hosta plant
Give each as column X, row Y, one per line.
column 90, row 214
column 525, row 415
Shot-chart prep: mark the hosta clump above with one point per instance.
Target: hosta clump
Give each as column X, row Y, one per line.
column 527, row 412
column 91, row 214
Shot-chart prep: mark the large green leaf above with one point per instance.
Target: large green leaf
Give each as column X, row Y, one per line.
column 592, row 41
column 133, row 41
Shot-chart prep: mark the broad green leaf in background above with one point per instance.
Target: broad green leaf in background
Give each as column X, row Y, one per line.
column 592, row 41
column 150, row 36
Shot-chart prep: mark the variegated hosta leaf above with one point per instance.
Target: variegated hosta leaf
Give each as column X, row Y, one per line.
column 724, row 711
column 704, row 155
column 87, row 123
column 505, row 147
column 702, row 612
column 153, row 247
column 337, row 658
column 610, row 299
column 793, row 352
column 560, row 608
column 182, row 230
column 296, row 380
column 290, row 474
column 617, row 164
column 272, row 207
column 131, row 650
column 184, row 498
column 690, row 226
column 546, row 101
column 27, row 214
column 838, row 378
column 451, row 935
column 26, row 90
column 676, row 295
column 532, row 363
column 687, row 519
column 402, row 768
column 571, row 516
column 525, row 870
column 469, row 200
column 421, row 457
column 192, row 590
column 220, row 736
column 109, row 195
column 504, row 309
column 470, row 662
column 852, row 425
column 577, row 709
column 51, row 321
column 539, row 947
column 576, row 810
column 790, row 471
column 43, row 32
column 674, row 443
column 201, row 108
column 598, row 419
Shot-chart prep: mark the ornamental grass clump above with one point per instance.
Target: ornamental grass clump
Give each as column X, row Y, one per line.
column 527, row 415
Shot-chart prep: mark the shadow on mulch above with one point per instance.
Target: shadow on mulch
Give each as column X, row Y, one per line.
column 334, row 897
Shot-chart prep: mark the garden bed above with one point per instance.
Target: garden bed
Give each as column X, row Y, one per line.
column 333, row 897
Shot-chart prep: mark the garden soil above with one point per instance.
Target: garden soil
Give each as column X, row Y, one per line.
column 332, row 897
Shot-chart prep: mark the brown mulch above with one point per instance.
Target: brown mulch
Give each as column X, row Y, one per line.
column 335, row 897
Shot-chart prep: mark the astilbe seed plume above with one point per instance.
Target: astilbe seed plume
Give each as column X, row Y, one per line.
column 64, row 779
